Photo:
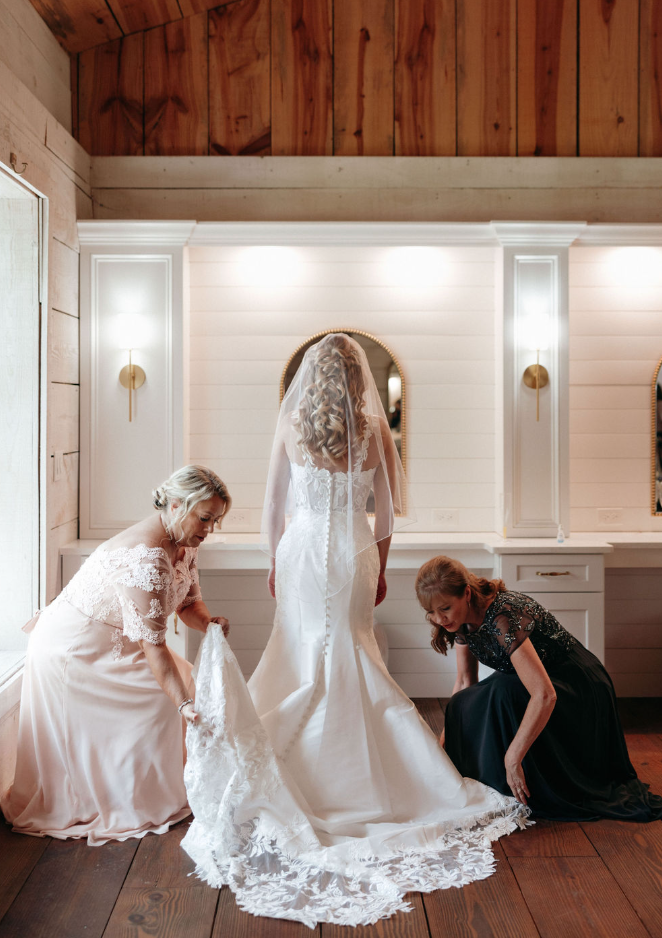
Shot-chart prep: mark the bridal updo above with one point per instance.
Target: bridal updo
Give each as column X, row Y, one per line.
column 337, row 389
column 188, row 486
column 443, row 576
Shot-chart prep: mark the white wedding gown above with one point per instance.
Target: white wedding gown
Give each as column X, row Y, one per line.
column 319, row 794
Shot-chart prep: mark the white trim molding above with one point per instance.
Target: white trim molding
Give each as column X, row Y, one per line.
column 176, row 233
column 552, row 234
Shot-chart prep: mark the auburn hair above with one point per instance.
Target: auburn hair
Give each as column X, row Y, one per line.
column 445, row 576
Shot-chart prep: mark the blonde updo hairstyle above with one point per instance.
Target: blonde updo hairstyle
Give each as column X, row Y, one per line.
column 188, row 486
column 337, row 387
column 443, row 576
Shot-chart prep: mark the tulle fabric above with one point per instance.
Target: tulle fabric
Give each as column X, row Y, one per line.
column 333, row 391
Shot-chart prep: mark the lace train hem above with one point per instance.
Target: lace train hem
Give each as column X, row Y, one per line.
column 252, row 832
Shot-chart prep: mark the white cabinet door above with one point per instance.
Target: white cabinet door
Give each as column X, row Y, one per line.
column 582, row 614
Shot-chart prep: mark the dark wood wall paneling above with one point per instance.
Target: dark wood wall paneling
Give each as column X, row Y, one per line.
column 377, row 78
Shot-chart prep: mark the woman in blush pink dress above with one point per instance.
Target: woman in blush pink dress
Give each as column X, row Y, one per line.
column 100, row 744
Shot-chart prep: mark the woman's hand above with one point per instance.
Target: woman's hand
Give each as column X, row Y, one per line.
column 271, row 580
column 224, row 624
column 190, row 715
column 516, row 780
column 381, row 589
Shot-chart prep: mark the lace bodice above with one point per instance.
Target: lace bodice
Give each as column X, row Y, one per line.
column 509, row 620
column 134, row 590
column 319, row 490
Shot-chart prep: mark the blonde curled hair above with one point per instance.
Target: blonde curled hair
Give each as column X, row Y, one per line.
column 188, row 486
column 443, row 576
column 336, row 389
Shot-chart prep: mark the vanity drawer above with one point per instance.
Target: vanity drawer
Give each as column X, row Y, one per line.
column 553, row 573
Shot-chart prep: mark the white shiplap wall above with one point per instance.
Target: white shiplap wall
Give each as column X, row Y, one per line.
column 442, row 336
column 615, row 344
column 633, row 631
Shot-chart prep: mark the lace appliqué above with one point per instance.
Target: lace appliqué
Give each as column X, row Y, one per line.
column 99, row 590
column 273, row 860
column 509, row 620
column 118, row 644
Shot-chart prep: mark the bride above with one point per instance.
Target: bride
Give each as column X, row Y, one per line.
column 319, row 793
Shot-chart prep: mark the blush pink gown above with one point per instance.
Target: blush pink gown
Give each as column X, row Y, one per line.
column 100, row 746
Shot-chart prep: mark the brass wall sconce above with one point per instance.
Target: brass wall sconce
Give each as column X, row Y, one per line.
column 536, row 376
column 131, row 332
column 132, row 377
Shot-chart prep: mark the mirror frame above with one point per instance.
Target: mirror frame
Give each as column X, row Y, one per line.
column 656, row 376
column 368, row 335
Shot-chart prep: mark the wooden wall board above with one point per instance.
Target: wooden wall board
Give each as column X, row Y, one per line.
column 136, row 15
column 63, row 494
column 636, row 205
column 337, row 172
column 176, row 92
column 190, row 7
column 63, row 278
column 73, row 77
column 57, row 538
column 78, row 24
column 546, row 78
column 72, row 157
column 35, row 56
column 301, row 78
column 650, row 78
column 63, row 348
column 486, row 77
column 363, row 75
column 110, row 101
column 239, row 81
column 608, row 77
column 425, row 92
column 63, row 407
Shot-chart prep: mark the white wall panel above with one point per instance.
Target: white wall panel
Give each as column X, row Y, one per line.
column 442, row 336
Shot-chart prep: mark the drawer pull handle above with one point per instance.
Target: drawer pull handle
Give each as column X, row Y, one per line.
column 554, row 573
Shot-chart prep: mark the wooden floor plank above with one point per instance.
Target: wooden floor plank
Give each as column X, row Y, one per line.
column 549, row 839
column 163, row 913
column 633, row 855
column 232, row 922
column 489, row 908
column 401, row 925
column 71, row 891
column 19, row 855
column 575, row 897
column 431, row 711
column 160, row 862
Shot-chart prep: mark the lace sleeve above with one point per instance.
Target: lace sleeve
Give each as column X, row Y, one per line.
column 512, row 627
column 141, row 589
column 194, row 593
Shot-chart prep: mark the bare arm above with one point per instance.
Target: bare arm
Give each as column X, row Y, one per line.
column 197, row 616
column 383, row 485
column 279, row 482
column 532, row 674
column 166, row 673
column 467, row 667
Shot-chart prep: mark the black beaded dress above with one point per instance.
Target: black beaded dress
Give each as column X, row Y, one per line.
column 578, row 768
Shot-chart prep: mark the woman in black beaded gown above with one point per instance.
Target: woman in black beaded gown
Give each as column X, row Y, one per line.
column 545, row 724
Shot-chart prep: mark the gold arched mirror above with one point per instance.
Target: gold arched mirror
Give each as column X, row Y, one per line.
column 385, row 370
column 656, row 433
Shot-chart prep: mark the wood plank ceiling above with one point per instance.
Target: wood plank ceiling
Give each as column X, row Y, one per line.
column 364, row 77
column 83, row 24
